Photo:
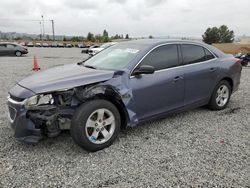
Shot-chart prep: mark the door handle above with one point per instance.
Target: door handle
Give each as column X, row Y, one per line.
column 177, row 78
column 212, row 69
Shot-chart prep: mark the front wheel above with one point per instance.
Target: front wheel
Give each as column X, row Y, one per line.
column 221, row 96
column 18, row 53
column 95, row 125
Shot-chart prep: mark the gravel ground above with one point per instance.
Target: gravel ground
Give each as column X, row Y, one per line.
column 198, row 148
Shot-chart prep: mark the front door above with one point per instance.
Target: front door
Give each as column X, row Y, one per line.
column 163, row 90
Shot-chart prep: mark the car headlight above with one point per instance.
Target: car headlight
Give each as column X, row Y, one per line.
column 39, row 100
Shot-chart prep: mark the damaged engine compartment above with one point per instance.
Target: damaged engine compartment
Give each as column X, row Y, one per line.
column 57, row 113
column 55, row 116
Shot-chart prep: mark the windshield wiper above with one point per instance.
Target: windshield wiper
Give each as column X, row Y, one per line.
column 89, row 66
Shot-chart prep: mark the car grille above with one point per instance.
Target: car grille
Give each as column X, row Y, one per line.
column 16, row 98
column 12, row 113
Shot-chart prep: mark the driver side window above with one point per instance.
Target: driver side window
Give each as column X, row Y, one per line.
column 162, row 57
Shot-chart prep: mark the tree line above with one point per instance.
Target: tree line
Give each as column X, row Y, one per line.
column 91, row 37
column 212, row 35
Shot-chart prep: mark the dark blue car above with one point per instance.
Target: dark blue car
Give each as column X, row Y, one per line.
column 126, row 84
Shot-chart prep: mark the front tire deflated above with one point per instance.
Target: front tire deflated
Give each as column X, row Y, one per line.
column 95, row 125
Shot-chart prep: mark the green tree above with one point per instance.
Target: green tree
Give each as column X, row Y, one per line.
column 105, row 36
column 64, row 38
column 127, row 36
column 90, row 37
column 150, row 37
column 218, row 35
column 226, row 36
column 98, row 38
column 116, row 36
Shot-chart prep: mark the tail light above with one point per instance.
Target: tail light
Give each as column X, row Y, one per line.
column 238, row 61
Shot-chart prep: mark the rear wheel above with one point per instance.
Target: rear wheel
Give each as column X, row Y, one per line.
column 95, row 125
column 18, row 53
column 221, row 96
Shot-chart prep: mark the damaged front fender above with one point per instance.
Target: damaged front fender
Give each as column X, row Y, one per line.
column 117, row 91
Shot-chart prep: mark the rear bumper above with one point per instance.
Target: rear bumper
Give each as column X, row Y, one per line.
column 24, row 129
column 236, row 80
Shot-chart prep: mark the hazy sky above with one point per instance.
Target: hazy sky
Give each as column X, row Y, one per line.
column 135, row 17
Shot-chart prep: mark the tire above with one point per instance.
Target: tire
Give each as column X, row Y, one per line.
column 18, row 53
column 244, row 63
column 88, row 125
column 221, row 96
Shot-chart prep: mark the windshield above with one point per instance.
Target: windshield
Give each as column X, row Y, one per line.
column 116, row 57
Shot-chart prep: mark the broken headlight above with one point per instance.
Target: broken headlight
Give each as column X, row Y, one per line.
column 39, row 100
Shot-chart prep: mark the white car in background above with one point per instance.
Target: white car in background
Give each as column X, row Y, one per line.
column 94, row 51
column 45, row 44
column 38, row 44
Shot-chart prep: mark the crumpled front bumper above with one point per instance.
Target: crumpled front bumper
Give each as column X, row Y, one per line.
column 24, row 129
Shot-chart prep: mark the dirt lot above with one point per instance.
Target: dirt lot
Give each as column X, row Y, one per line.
column 195, row 148
column 233, row 48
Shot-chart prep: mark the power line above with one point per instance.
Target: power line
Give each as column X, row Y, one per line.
column 23, row 20
column 41, row 23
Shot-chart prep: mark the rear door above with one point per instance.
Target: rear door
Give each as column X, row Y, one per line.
column 163, row 90
column 200, row 73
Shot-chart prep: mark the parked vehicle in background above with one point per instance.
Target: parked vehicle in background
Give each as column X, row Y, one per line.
column 244, row 58
column 123, row 85
column 69, row 45
column 60, row 45
column 54, row 45
column 45, row 45
column 12, row 49
column 22, row 43
column 38, row 44
column 30, row 44
column 87, row 48
column 80, row 45
column 94, row 51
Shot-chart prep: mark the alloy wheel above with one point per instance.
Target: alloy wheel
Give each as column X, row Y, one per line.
column 222, row 95
column 100, row 126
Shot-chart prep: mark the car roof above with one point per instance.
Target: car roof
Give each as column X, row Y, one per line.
column 155, row 42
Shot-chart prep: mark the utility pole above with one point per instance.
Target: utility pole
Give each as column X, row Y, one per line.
column 41, row 32
column 43, row 27
column 53, row 29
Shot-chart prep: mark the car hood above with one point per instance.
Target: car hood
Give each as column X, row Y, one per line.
column 64, row 77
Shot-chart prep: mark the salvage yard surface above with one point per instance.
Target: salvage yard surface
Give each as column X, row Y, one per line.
column 195, row 148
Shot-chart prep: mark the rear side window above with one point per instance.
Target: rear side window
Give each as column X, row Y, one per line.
column 208, row 54
column 162, row 57
column 10, row 46
column 193, row 54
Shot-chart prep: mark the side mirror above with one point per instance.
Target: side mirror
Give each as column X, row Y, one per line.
column 144, row 69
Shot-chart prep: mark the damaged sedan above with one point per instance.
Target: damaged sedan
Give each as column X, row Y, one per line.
column 124, row 85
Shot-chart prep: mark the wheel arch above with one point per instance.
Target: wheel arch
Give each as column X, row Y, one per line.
column 108, row 93
column 118, row 104
column 230, row 81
